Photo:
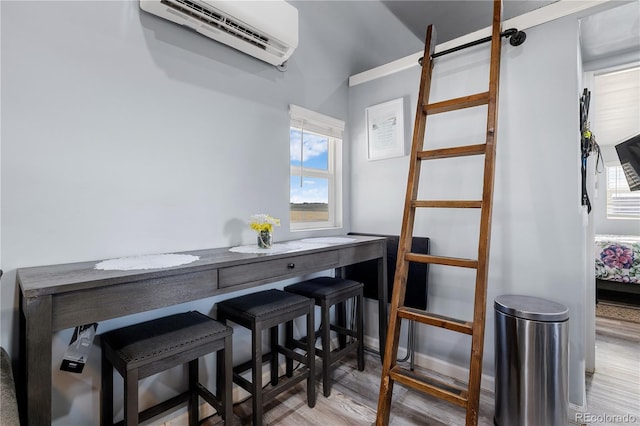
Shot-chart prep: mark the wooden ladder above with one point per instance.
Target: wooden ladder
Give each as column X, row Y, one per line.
column 391, row 372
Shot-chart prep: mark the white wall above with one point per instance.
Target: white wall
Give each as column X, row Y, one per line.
column 538, row 237
column 126, row 134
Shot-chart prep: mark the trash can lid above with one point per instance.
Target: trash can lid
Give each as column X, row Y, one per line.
column 533, row 308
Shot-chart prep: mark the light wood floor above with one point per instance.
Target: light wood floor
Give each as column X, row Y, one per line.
column 614, row 389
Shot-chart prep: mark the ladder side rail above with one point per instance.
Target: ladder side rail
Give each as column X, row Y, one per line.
column 406, row 234
column 479, row 311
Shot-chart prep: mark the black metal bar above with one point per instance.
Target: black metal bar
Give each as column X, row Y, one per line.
column 506, row 33
column 517, row 38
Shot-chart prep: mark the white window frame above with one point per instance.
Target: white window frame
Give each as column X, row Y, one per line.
column 617, row 186
column 314, row 122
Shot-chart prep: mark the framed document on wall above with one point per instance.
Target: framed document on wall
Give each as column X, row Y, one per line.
column 385, row 130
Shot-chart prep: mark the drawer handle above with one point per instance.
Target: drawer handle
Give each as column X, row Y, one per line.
column 291, row 265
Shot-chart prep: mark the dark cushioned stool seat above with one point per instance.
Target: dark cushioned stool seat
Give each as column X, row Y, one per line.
column 266, row 310
column 263, row 304
column 327, row 292
column 323, row 287
column 141, row 350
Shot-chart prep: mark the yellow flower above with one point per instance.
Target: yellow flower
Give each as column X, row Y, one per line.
column 263, row 222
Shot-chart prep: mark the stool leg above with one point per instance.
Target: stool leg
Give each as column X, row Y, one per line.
column 256, row 373
column 289, row 345
column 326, row 348
column 274, row 355
column 360, row 325
column 106, row 396
column 224, row 375
column 226, row 392
column 341, row 317
column 221, row 365
column 311, row 358
column 131, row 398
column 193, row 392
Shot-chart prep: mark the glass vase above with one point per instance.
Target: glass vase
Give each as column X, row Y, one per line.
column 264, row 239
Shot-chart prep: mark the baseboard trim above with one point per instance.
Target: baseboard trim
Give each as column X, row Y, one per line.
column 440, row 366
column 574, row 410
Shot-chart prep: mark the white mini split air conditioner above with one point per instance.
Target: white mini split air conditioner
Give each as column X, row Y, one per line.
column 267, row 30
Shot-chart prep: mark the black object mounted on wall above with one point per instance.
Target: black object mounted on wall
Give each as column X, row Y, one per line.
column 417, row 278
column 587, row 145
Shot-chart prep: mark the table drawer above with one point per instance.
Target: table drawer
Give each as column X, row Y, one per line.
column 117, row 300
column 272, row 270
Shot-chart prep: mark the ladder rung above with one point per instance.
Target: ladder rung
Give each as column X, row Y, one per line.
column 452, row 204
column 429, row 385
column 456, row 151
column 457, row 103
column 441, row 260
column 423, row 317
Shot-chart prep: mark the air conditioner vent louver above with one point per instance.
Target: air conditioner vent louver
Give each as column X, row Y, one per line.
column 207, row 16
column 215, row 19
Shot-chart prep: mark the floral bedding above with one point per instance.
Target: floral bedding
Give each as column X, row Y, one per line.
column 618, row 258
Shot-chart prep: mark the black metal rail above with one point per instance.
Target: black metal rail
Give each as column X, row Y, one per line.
column 516, row 38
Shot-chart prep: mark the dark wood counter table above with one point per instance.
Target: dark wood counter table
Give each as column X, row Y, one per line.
column 58, row 297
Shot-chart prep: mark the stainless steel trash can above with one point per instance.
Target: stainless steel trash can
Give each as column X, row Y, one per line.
column 531, row 361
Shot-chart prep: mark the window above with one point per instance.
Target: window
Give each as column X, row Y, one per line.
column 621, row 202
column 315, row 163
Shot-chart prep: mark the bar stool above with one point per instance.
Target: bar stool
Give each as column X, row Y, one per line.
column 144, row 349
column 266, row 310
column 327, row 292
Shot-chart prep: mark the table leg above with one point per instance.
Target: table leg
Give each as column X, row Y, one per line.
column 37, row 336
column 383, row 319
